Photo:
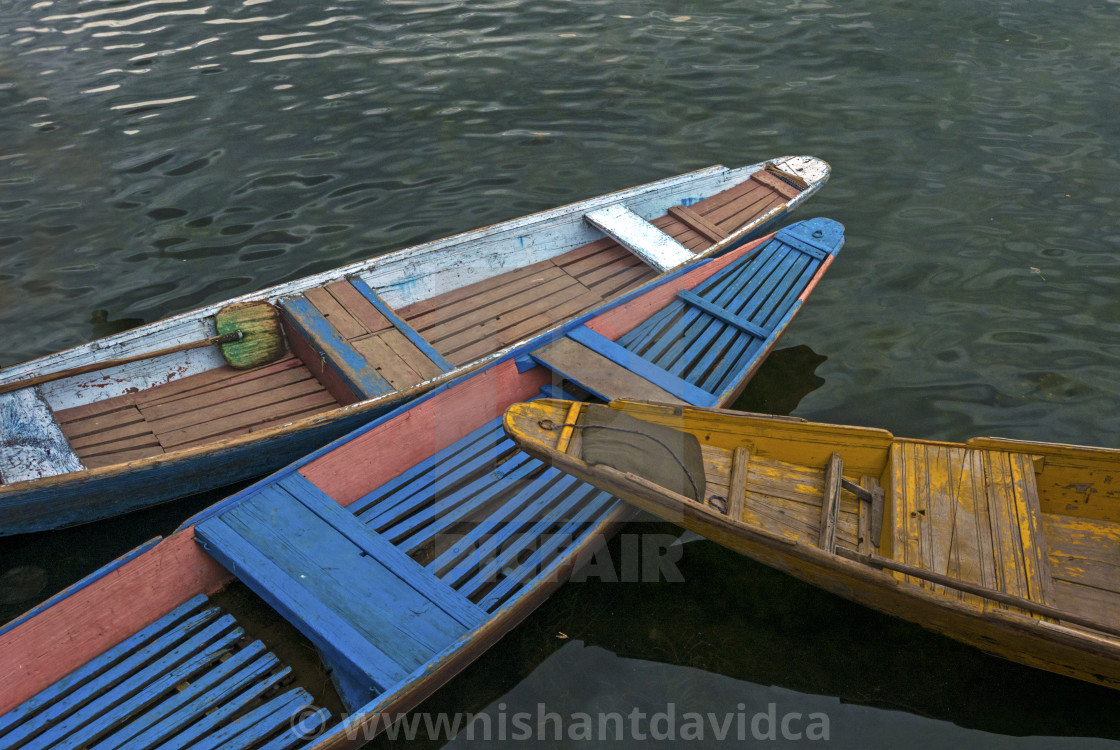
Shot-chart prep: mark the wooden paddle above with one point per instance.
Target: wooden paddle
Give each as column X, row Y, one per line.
column 249, row 335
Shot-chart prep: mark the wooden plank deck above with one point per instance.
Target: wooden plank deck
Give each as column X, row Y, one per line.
column 198, row 409
column 972, row 515
column 372, row 349
column 472, row 321
column 481, row 516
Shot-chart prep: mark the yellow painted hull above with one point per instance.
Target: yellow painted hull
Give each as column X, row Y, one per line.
column 1049, row 511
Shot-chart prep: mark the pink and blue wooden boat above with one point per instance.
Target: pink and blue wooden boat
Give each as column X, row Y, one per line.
column 400, row 552
column 361, row 339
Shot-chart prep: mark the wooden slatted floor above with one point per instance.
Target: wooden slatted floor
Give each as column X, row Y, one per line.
column 970, row 514
column 476, row 320
column 198, row 409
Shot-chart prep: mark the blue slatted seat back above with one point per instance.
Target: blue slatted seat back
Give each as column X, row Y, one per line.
column 711, row 334
column 483, row 517
column 189, row 674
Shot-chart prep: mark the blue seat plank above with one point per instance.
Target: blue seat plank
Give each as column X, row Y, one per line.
column 171, row 715
column 600, row 344
column 64, row 704
column 490, row 525
column 248, row 730
column 574, row 495
column 405, row 626
column 562, row 537
column 450, row 601
column 449, row 509
column 331, row 633
column 227, row 709
column 307, row 726
column 444, row 474
column 74, row 728
column 382, row 503
column 406, row 330
column 91, row 668
column 351, row 366
column 534, row 512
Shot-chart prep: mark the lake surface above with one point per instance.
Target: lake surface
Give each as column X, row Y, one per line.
column 156, row 156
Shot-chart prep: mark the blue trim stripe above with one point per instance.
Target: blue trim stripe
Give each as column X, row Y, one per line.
column 643, row 368
column 409, row 332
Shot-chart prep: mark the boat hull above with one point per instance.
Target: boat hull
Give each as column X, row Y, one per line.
column 1036, row 638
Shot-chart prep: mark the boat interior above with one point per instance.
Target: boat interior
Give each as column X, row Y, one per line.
column 346, row 344
column 1034, row 521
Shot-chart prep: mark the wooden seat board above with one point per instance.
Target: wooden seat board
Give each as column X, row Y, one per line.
column 380, row 549
column 969, row 514
column 337, row 638
column 1084, row 551
column 598, row 374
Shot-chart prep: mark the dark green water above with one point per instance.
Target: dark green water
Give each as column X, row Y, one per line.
column 155, row 157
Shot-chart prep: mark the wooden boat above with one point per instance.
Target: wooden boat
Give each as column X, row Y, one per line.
column 1007, row 545
column 400, row 552
column 360, row 339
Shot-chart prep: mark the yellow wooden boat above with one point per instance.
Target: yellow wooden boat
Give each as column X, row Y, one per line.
column 1010, row 546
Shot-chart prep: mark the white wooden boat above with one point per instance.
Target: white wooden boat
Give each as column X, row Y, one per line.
column 360, row 339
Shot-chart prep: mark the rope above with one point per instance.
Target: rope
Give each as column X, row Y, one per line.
column 548, row 424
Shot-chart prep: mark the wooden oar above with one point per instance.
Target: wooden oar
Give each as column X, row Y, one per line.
column 249, row 335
